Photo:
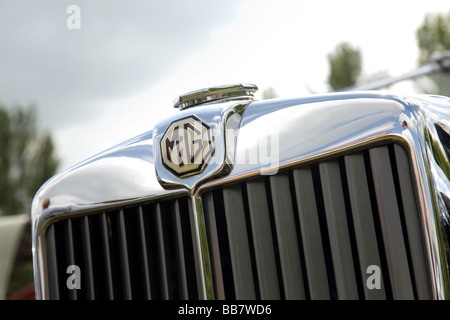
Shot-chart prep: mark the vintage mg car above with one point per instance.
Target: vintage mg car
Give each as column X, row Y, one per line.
column 334, row 196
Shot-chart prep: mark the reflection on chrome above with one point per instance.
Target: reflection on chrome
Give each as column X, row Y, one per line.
column 306, row 129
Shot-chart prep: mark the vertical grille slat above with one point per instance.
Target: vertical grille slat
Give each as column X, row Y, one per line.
column 412, row 223
column 311, row 234
column 291, row 269
column 179, row 253
column 363, row 220
column 338, row 230
column 390, row 223
column 263, row 241
column 87, row 258
column 70, row 254
column 106, row 256
column 123, row 254
column 162, row 259
column 144, row 255
column 52, row 264
column 238, row 241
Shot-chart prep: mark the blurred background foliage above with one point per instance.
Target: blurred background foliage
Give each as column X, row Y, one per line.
column 345, row 64
column 433, row 35
column 27, row 160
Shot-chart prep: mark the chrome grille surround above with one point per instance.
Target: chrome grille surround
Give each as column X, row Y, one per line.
column 310, row 130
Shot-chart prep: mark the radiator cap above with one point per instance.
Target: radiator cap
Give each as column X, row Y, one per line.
column 232, row 92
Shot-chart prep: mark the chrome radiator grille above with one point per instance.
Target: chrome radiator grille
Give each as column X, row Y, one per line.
column 312, row 232
column 309, row 232
column 142, row 252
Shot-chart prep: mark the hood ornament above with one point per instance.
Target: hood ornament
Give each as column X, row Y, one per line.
column 234, row 92
column 198, row 144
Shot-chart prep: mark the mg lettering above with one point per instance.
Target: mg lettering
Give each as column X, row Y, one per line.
column 187, row 146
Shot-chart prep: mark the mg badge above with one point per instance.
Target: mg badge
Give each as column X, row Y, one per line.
column 187, row 146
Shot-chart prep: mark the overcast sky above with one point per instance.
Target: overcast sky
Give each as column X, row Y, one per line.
column 116, row 76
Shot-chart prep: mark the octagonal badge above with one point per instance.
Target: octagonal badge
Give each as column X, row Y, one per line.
column 187, row 146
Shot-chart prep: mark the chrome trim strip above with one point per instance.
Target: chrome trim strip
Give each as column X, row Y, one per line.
column 376, row 140
column 204, row 274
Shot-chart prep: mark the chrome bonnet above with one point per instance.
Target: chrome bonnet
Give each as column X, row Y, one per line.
column 260, row 138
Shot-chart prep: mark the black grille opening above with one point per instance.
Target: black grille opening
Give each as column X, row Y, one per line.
column 317, row 231
column 140, row 252
column 309, row 232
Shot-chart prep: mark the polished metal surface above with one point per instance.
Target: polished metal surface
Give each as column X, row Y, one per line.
column 260, row 138
column 307, row 128
column 223, row 120
column 235, row 91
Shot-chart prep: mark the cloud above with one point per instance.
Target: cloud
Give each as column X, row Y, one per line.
column 121, row 49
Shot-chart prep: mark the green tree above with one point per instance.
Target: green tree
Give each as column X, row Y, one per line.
column 269, row 93
column 27, row 159
column 345, row 66
column 434, row 36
